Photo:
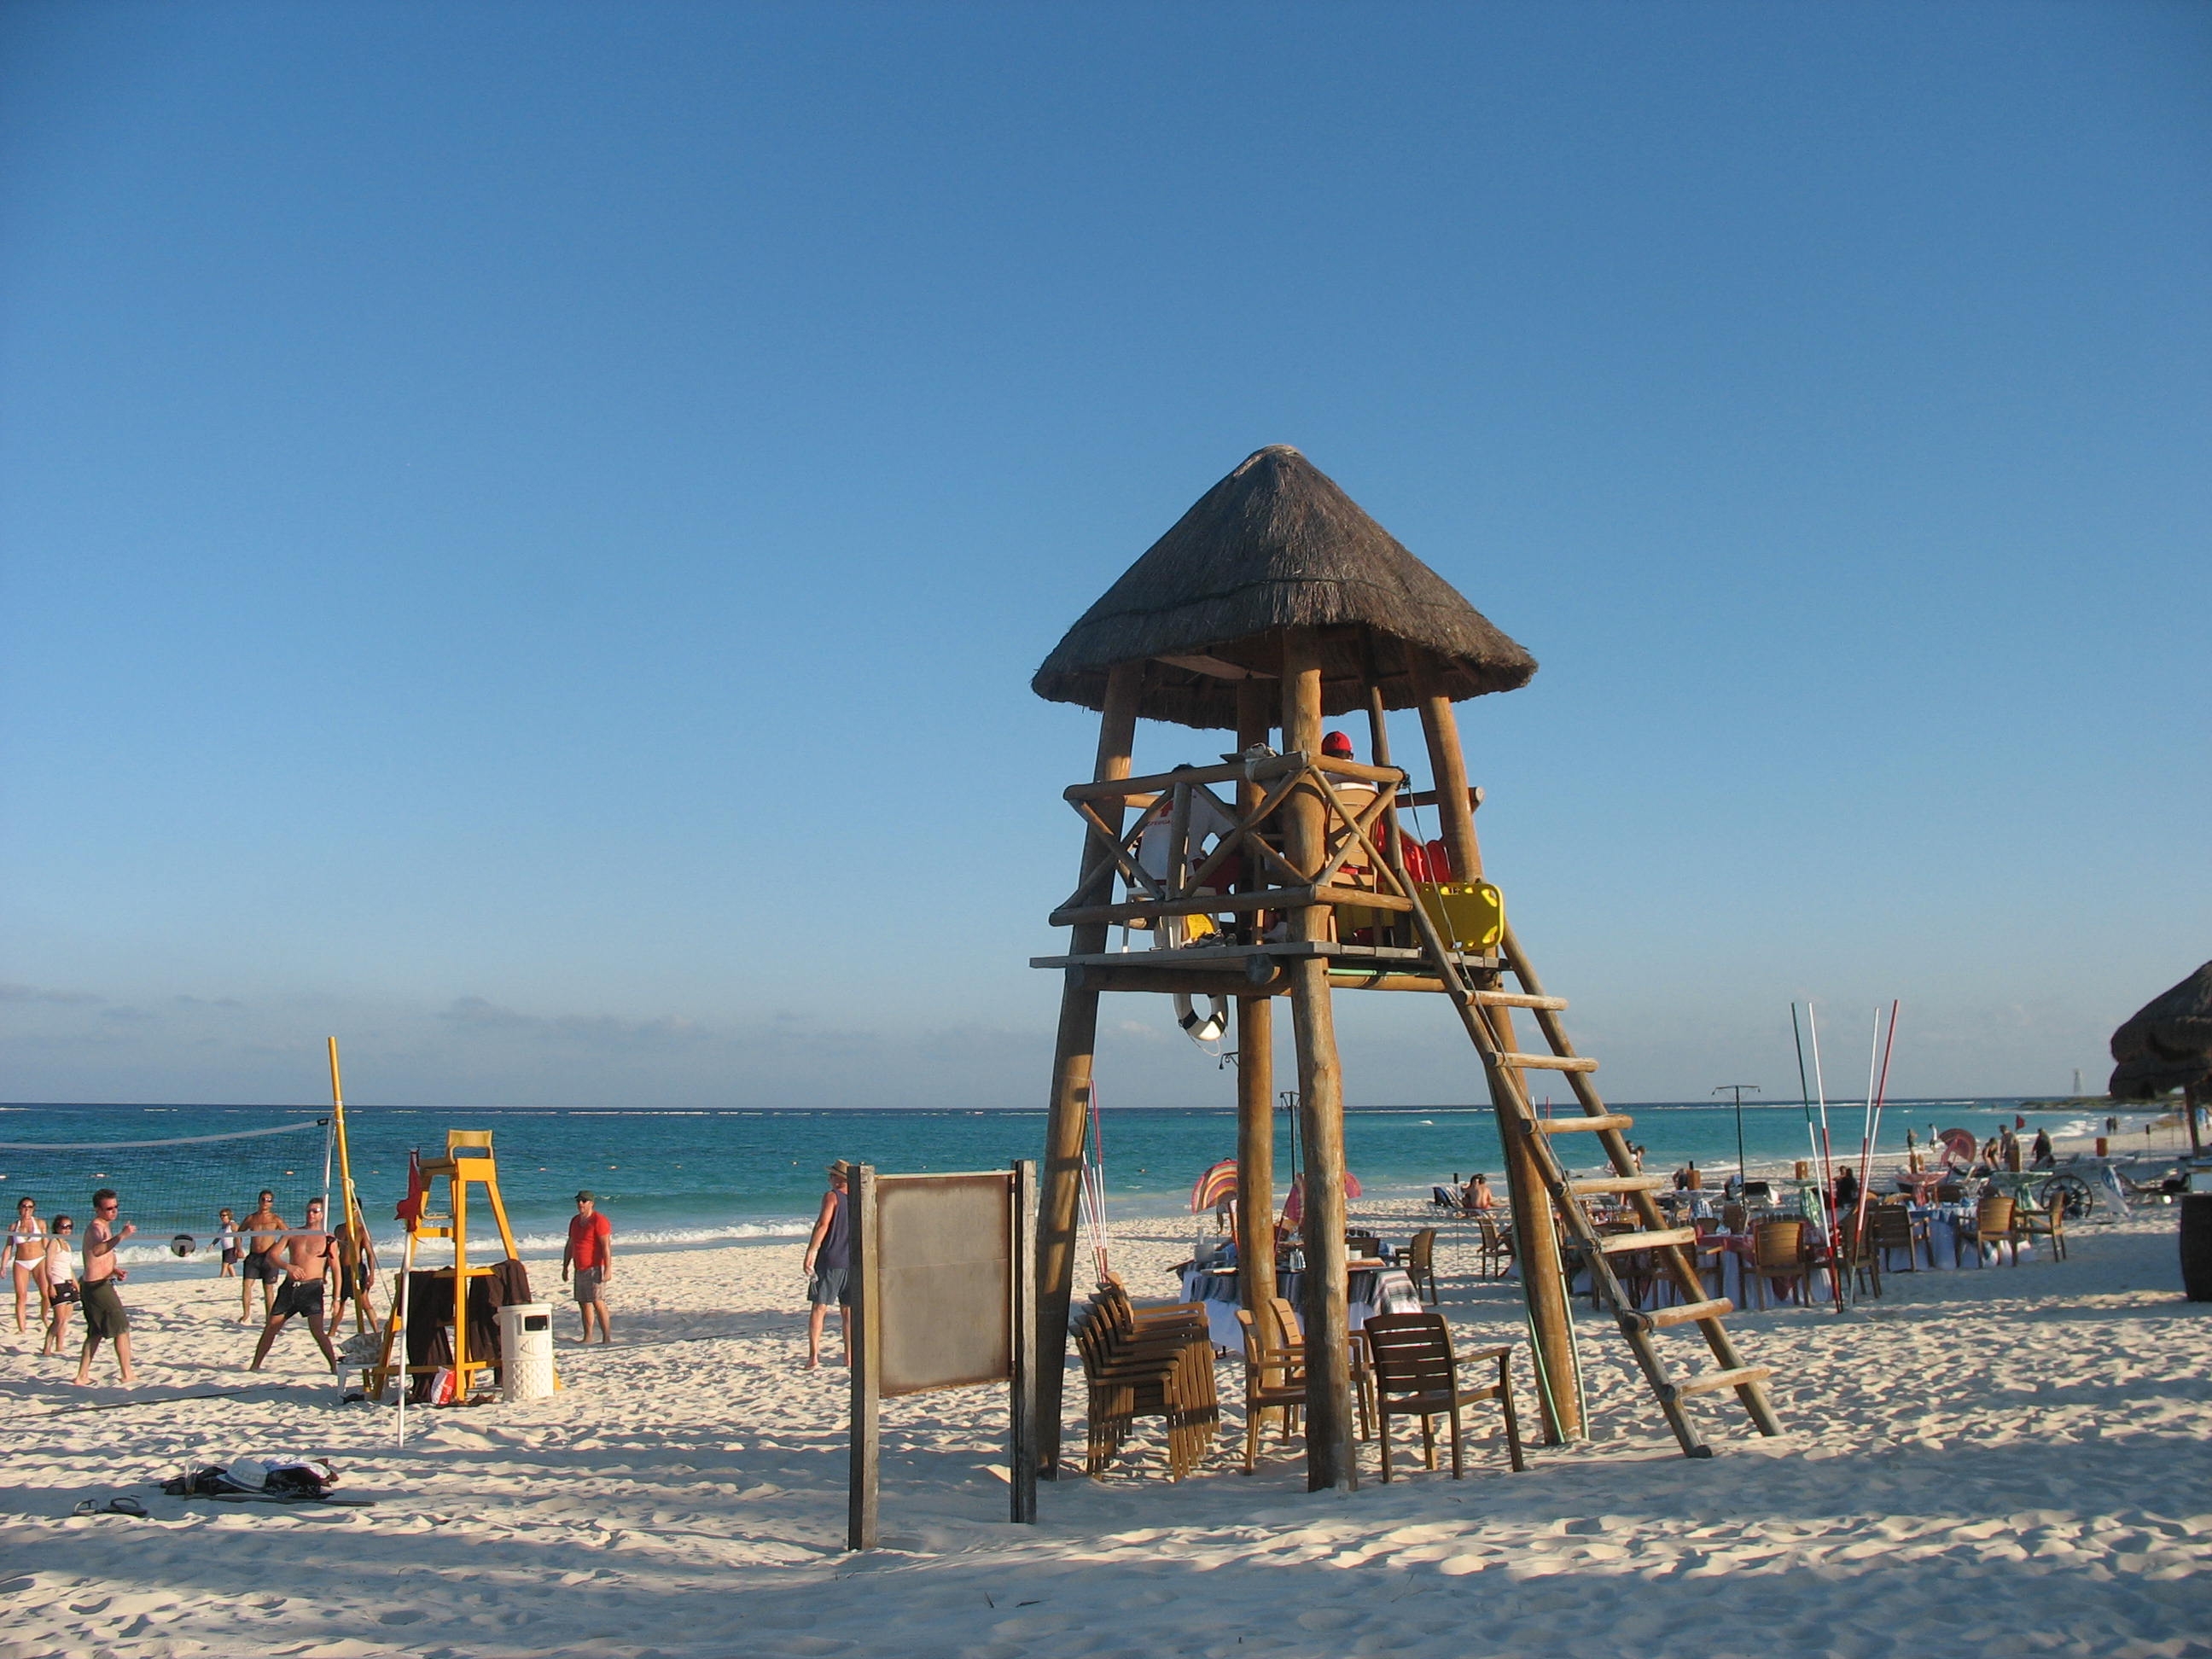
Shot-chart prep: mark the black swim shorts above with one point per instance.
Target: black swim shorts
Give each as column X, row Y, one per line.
column 261, row 1264
column 299, row 1297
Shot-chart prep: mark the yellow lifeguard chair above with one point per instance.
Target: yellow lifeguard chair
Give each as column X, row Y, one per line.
column 468, row 1160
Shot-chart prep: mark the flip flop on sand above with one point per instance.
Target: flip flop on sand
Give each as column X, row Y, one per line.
column 126, row 1506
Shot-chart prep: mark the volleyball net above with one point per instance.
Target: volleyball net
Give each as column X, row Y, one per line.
column 173, row 1191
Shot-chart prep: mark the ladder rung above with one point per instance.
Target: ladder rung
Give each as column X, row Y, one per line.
column 1688, row 1313
column 1715, row 1382
column 1619, row 1184
column 1614, row 1244
column 1528, row 1062
column 1519, row 999
column 1559, row 1126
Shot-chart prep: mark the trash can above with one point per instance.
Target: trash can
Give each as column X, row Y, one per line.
column 525, row 1350
column 2197, row 1247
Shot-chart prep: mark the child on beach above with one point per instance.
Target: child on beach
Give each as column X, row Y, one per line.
column 225, row 1245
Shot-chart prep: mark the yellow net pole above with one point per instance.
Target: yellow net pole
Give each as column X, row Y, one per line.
column 352, row 1208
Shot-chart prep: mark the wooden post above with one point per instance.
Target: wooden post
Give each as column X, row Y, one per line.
column 1021, row 1461
column 1440, row 725
column 1331, row 1451
column 1073, row 1054
column 1536, row 1237
column 1255, row 1064
column 867, row 1358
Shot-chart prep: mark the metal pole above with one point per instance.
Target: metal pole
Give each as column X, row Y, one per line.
column 1743, row 1171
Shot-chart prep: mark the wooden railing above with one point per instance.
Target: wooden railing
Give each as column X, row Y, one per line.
column 1271, row 881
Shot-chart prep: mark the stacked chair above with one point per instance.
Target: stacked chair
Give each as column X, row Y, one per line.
column 1150, row 1362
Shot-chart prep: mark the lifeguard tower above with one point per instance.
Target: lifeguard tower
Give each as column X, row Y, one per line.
column 468, row 1162
column 1273, row 603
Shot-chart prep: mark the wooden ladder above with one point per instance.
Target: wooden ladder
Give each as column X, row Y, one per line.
column 1507, row 1067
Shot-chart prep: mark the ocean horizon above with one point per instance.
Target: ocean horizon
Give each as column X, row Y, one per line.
column 672, row 1177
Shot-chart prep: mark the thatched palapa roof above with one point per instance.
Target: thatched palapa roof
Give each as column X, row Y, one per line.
column 2167, row 1043
column 1276, row 544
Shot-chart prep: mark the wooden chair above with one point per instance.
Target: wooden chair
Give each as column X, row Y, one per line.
column 1274, row 1380
column 1416, row 1375
column 1154, row 1362
column 1363, row 1369
column 1894, row 1229
column 1418, row 1259
column 1778, row 1252
column 2047, row 1222
column 1496, row 1247
column 1993, row 1224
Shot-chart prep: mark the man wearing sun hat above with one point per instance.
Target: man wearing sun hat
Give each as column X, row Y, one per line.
column 829, row 1263
column 589, row 1252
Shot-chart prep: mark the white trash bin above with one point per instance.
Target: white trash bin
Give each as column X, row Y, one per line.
column 525, row 1350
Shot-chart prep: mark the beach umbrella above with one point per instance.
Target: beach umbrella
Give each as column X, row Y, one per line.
column 2166, row 1044
column 1219, row 1182
column 1960, row 1145
column 1294, row 1207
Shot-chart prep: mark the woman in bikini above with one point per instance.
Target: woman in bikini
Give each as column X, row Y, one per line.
column 61, row 1282
column 26, row 1261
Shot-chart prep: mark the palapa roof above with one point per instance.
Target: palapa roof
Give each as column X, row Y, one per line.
column 1276, row 544
column 2167, row 1043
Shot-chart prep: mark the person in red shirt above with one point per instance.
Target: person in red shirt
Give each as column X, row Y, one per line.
column 589, row 1253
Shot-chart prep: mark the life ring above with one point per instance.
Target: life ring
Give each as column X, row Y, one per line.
column 1202, row 1027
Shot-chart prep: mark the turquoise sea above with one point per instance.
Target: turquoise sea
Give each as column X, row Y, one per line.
column 673, row 1178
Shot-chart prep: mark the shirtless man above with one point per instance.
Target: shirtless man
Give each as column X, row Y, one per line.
column 264, row 1231
column 103, row 1309
column 307, row 1256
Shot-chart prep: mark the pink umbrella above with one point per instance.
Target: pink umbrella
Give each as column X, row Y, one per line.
column 1294, row 1207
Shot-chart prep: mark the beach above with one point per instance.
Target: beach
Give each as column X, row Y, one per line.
column 1984, row 1460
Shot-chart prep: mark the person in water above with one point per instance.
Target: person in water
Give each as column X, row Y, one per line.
column 829, row 1264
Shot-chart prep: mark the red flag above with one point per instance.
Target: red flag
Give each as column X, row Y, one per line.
column 411, row 1207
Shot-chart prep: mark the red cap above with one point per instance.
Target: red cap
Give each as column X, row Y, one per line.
column 1338, row 744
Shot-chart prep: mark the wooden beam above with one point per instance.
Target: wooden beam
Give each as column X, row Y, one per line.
column 1447, row 764
column 1207, row 982
column 1073, row 1050
column 1332, row 1462
column 1255, row 1061
column 1224, row 904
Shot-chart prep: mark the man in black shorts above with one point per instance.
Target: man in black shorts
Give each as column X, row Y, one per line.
column 264, row 1231
column 305, row 1256
column 104, row 1318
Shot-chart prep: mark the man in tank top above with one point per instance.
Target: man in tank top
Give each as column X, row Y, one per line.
column 828, row 1261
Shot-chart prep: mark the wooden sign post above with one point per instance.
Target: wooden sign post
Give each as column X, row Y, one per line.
column 943, row 1298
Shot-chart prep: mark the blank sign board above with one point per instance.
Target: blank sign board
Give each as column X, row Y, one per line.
column 944, row 1297
column 945, row 1266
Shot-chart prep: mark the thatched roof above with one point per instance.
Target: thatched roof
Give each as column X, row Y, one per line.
column 2167, row 1043
column 1277, row 544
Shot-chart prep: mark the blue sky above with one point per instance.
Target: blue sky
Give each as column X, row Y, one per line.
column 524, row 530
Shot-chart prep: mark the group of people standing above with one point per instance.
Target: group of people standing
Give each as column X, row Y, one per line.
column 45, row 1260
column 295, row 1267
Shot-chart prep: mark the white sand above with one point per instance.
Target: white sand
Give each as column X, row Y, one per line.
column 1982, row 1462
